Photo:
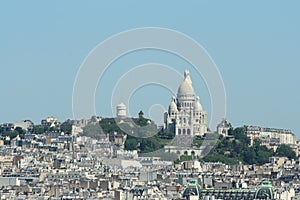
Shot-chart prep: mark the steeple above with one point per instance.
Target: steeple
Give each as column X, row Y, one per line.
column 187, row 76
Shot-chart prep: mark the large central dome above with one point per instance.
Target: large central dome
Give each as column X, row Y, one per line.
column 186, row 87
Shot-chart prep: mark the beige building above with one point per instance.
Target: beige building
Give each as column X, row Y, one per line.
column 6, row 161
column 50, row 121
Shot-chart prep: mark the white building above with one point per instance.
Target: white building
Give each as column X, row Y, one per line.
column 185, row 115
column 50, row 121
column 121, row 111
column 271, row 136
column 25, row 125
column 223, row 127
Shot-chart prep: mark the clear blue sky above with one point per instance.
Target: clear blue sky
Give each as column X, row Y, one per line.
column 256, row 46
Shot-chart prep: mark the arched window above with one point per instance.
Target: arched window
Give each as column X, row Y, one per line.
column 183, row 131
column 179, row 131
column 188, row 131
column 193, row 153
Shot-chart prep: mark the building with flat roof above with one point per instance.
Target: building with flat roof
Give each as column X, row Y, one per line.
column 271, row 137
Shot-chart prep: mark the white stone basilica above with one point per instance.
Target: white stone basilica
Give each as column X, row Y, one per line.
column 185, row 115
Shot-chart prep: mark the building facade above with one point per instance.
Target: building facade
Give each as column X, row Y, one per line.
column 223, row 127
column 185, row 115
column 271, row 137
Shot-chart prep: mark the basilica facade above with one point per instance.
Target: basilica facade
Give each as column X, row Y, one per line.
column 185, row 115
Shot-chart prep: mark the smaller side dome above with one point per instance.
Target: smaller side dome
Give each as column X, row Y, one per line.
column 173, row 106
column 198, row 106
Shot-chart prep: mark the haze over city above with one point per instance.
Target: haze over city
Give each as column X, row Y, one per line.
column 160, row 100
column 254, row 45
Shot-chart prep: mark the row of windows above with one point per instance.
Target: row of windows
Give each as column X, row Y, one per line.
column 197, row 114
column 201, row 120
column 184, row 131
column 186, row 104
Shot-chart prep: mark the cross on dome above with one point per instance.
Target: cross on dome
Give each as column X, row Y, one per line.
column 186, row 87
column 187, row 76
column 186, row 73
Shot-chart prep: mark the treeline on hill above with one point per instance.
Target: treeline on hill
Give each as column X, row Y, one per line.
column 237, row 148
column 14, row 133
column 230, row 150
column 151, row 144
column 65, row 127
column 142, row 134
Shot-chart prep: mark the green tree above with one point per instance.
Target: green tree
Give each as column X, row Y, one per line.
column 238, row 149
column 240, row 134
column 150, row 144
column 198, row 141
column 66, row 128
column 285, row 151
column 20, row 130
column 249, row 156
column 131, row 143
column 38, row 129
column 167, row 135
column 11, row 134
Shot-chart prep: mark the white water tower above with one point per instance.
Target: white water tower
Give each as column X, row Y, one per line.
column 121, row 111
